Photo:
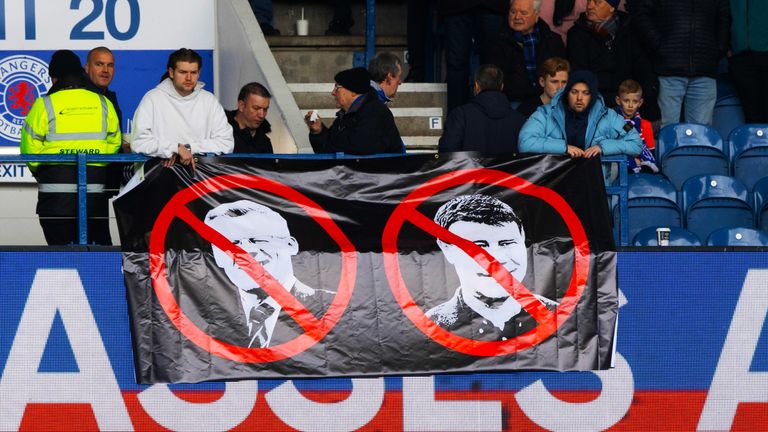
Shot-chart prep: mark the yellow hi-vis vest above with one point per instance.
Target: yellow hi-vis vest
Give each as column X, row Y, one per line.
column 71, row 121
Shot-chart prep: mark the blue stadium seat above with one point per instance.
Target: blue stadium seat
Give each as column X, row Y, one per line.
column 711, row 202
column 728, row 113
column 652, row 201
column 748, row 145
column 737, row 237
column 677, row 237
column 686, row 149
column 760, row 193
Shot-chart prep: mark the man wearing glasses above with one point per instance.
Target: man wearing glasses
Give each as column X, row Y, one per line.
column 363, row 125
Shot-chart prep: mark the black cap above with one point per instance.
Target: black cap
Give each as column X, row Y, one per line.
column 64, row 63
column 357, row 80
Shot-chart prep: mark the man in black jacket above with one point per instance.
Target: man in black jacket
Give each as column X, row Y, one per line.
column 100, row 69
column 688, row 38
column 363, row 125
column 487, row 123
column 520, row 48
column 249, row 121
column 603, row 41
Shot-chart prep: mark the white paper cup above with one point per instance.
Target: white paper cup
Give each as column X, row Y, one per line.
column 302, row 27
column 662, row 236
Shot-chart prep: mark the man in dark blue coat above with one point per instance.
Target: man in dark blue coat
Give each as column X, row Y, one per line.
column 363, row 125
column 487, row 123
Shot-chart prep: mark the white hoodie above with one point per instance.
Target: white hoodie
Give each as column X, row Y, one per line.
column 164, row 119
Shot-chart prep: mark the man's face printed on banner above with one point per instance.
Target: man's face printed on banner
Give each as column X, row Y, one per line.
column 259, row 231
column 505, row 242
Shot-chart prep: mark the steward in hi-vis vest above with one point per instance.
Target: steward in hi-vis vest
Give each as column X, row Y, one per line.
column 68, row 120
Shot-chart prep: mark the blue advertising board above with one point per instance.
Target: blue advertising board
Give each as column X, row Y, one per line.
column 692, row 354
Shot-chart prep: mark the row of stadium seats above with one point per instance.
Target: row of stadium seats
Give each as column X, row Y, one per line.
column 706, row 203
column 738, row 236
column 684, row 150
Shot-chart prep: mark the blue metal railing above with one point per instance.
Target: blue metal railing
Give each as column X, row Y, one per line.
column 621, row 191
column 370, row 31
column 81, row 159
column 361, row 59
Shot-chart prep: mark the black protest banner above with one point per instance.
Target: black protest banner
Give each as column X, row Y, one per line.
column 292, row 268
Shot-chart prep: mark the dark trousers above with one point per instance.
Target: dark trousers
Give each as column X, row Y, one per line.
column 419, row 28
column 749, row 71
column 478, row 26
column 342, row 13
column 263, row 10
column 62, row 231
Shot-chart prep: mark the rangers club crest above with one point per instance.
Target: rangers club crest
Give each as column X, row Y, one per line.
column 22, row 79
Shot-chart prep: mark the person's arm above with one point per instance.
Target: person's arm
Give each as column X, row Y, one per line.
column 614, row 138
column 318, row 138
column 453, row 134
column 114, row 138
column 35, row 129
column 534, row 138
column 576, row 50
column 647, row 134
column 374, row 131
column 507, row 58
column 145, row 137
column 219, row 139
column 724, row 26
column 644, row 18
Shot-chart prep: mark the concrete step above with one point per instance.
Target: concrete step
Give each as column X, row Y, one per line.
column 420, row 144
column 390, row 16
column 409, row 121
column 419, row 110
column 319, row 58
column 317, row 95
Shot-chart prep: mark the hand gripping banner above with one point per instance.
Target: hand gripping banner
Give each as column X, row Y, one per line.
column 298, row 268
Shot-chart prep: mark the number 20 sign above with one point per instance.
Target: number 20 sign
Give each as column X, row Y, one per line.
column 132, row 24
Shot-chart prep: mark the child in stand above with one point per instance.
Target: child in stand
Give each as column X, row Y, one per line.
column 628, row 103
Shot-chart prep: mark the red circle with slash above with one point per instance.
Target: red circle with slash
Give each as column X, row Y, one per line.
column 315, row 329
column 548, row 321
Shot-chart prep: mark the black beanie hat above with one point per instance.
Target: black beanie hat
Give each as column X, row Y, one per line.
column 64, row 63
column 356, row 80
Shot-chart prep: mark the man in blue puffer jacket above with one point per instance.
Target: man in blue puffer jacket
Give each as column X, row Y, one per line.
column 578, row 123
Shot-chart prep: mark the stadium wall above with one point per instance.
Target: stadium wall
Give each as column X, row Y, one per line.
column 692, row 354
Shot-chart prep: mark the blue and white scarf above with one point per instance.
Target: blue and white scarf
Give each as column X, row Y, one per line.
column 646, row 156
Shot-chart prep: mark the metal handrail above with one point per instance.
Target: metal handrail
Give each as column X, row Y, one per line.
column 621, row 190
column 81, row 159
column 370, row 31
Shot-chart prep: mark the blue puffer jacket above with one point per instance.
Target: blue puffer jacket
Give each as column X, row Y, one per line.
column 544, row 132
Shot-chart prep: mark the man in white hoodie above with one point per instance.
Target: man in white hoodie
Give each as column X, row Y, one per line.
column 178, row 118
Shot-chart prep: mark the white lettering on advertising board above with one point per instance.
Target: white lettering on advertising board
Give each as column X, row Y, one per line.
column 733, row 383
column 61, row 291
